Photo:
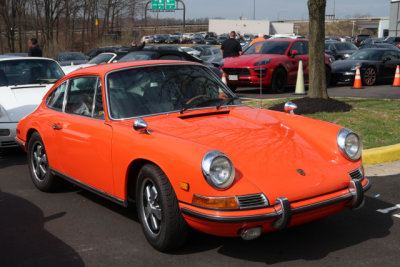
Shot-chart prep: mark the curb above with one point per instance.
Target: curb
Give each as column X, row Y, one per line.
column 381, row 155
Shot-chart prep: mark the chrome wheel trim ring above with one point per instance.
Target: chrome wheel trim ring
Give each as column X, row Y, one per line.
column 39, row 163
column 150, row 208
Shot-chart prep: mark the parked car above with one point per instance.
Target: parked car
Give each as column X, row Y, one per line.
column 209, row 53
column 198, row 40
column 211, row 41
column 110, row 49
column 71, row 58
column 360, row 38
column 270, row 63
column 149, row 39
column 23, row 83
column 191, row 51
column 393, row 40
column 172, row 139
column 371, row 41
column 376, row 65
column 102, row 58
column 160, row 38
column 339, row 50
column 165, row 47
column 169, row 55
column 221, row 39
column 379, row 45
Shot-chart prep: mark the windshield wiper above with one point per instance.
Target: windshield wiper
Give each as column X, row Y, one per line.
column 202, row 102
column 226, row 101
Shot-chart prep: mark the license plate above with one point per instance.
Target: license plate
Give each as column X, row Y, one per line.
column 233, row 77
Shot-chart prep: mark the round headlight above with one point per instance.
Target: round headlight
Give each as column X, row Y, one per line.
column 350, row 144
column 218, row 169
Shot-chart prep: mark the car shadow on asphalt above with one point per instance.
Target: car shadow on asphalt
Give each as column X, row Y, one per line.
column 11, row 157
column 24, row 240
column 311, row 241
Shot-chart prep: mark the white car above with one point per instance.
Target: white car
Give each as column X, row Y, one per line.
column 101, row 58
column 23, row 83
column 191, row 51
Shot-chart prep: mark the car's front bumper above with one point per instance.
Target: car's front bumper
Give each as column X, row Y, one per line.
column 281, row 215
column 345, row 77
column 248, row 76
column 7, row 134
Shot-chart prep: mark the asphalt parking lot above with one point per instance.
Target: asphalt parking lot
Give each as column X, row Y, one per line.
column 344, row 90
column 76, row 228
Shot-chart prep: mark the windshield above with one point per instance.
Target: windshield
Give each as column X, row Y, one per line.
column 277, row 48
column 138, row 56
column 70, row 56
column 367, row 55
column 17, row 72
column 101, row 58
column 160, row 89
column 345, row 46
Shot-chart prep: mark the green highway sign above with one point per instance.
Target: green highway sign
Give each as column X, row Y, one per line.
column 158, row 4
column 170, row 4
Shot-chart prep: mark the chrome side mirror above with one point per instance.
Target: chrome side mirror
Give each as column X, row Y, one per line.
column 290, row 107
column 140, row 125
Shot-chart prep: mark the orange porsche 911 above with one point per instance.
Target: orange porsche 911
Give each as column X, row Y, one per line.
column 172, row 139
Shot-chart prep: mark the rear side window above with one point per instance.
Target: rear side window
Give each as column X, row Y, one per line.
column 56, row 98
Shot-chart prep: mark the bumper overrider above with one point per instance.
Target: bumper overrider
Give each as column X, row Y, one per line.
column 278, row 216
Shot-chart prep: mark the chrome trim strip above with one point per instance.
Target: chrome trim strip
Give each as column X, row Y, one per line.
column 269, row 216
column 114, row 199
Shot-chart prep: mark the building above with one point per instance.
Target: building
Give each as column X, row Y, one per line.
column 244, row 26
column 394, row 27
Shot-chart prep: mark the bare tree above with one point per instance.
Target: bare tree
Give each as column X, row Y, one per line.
column 317, row 68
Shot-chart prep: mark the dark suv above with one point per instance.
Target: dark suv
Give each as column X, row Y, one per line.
column 393, row 40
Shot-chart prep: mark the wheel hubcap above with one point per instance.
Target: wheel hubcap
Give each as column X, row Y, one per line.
column 370, row 76
column 151, row 210
column 39, row 162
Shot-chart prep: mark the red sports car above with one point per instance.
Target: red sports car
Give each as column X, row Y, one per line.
column 271, row 63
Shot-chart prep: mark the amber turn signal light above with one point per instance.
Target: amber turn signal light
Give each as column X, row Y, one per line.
column 215, row 202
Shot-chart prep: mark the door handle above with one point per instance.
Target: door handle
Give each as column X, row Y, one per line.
column 56, row 127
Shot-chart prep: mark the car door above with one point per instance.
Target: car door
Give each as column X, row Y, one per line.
column 302, row 48
column 84, row 136
column 388, row 66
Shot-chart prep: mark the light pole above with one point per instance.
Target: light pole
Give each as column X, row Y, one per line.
column 254, row 10
column 352, row 31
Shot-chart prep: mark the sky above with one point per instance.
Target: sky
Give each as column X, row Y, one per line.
column 278, row 9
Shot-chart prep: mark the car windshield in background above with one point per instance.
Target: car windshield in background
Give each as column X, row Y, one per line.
column 162, row 89
column 101, row 58
column 277, row 48
column 17, row 72
column 138, row 56
column 345, row 46
column 367, row 55
column 70, row 56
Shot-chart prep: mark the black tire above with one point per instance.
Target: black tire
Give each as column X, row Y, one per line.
column 279, row 81
column 369, row 76
column 38, row 165
column 157, row 206
column 328, row 76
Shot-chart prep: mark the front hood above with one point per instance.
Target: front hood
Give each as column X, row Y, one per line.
column 265, row 151
column 20, row 100
column 345, row 65
column 247, row 60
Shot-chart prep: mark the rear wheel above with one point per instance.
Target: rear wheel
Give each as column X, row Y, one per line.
column 369, row 77
column 162, row 222
column 38, row 163
column 279, row 80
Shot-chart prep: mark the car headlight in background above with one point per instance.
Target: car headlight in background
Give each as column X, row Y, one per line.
column 350, row 144
column 263, row 62
column 218, row 169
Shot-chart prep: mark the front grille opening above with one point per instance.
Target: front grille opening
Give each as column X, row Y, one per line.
column 356, row 174
column 252, row 201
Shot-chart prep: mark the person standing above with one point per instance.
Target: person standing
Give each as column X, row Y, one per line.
column 34, row 49
column 231, row 47
column 134, row 47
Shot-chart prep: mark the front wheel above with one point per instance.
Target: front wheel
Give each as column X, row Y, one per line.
column 38, row 163
column 162, row 222
column 369, row 76
column 279, row 80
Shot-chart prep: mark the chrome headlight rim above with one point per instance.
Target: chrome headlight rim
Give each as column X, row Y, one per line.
column 207, row 164
column 342, row 138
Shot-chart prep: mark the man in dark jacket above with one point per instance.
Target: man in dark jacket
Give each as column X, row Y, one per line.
column 231, row 47
column 134, row 47
column 34, row 49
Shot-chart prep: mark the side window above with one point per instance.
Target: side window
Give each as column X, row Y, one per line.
column 305, row 47
column 298, row 47
column 55, row 99
column 98, row 103
column 80, row 96
column 171, row 57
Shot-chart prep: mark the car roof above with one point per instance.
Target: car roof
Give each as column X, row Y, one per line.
column 25, row 58
column 102, row 69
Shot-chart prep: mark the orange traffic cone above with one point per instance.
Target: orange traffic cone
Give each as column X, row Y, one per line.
column 396, row 82
column 357, row 80
column 224, row 78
